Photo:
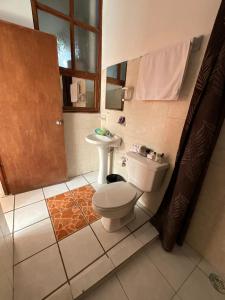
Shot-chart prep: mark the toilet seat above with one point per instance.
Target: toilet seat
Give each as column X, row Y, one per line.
column 114, row 196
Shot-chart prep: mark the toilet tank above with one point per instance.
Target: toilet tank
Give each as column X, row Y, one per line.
column 144, row 173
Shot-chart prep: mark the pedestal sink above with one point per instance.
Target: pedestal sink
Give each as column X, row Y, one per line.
column 103, row 143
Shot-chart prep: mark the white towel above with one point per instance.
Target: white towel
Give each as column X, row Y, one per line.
column 74, row 91
column 161, row 73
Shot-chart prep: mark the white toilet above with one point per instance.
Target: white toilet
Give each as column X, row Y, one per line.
column 115, row 202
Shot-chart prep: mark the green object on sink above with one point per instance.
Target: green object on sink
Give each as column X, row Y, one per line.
column 103, row 131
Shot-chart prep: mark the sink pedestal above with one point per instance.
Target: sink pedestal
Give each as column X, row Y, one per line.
column 103, row 144
column 103, row 164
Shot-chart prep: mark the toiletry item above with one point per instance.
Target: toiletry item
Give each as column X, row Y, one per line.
column 142, row 150
column 159, row 157
column 148, row 150
column 135, row 148
column 124, row 161
column 152, row 155
column 103, row 132
column 122, row 120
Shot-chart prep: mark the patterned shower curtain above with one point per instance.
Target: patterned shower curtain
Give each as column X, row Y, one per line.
column 204, row 121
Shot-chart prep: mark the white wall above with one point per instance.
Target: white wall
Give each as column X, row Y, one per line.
column 133, row 27
column 17, row 11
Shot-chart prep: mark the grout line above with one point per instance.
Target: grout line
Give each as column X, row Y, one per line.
column 28, row 257
column 16, row 208
column 120, row 283
column 111, row 273
column 57, row 243
column 89, row 224
column 31, row 224
column 47, row 197
column 45, row 297
column 97, row 238
column 186, row 279
column 161, row 273
column 86, row 267
column 176, row 291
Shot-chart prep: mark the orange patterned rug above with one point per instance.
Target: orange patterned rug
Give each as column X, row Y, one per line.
column 72, row 211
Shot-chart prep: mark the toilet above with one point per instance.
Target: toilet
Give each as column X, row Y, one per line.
column 115, row 202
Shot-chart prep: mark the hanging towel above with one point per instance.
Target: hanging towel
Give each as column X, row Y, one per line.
column 74, row 91
column 161, row 73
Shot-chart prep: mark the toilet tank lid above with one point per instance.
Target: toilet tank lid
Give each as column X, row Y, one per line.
column 146, row 162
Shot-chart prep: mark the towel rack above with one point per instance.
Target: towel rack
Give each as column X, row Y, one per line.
column 196, row 43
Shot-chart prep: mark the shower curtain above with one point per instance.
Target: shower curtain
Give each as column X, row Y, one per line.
column 204, row 121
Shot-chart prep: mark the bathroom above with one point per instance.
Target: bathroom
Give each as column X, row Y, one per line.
column 85, row 261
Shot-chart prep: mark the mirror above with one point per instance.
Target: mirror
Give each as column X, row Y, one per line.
column 115, row 81
column 78, row 92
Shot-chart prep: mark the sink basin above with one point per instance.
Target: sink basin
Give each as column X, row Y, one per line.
column 103, row 143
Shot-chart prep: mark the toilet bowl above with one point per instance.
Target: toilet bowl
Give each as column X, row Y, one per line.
column 115, row 202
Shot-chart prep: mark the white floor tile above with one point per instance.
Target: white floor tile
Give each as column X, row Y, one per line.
column 33, row 239
column 6, row 259
column 28, row 198
column 54, row 190
column 91, row 177
column 94, row 273
column 140, row 205
column 6, row 223
column 79, row 250
column 5, row 287
column 194, row 256
column 198, row 287
column 175, row 265
column 124, row 250
column 146, row 233
column 7, row 203
column 207, row 268
column 30, row 214
column 108, row 290
column 76, row 182
column 64, row 293
column 108, row 239
column 39, row 275
column 141, row 218
column 176, row 297
column 141, row 280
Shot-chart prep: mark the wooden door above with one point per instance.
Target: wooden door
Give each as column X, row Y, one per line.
column 31, row 143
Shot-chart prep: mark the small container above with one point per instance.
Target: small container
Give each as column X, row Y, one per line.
column 152, row 155
column 159, row 157
column 114, row 178
column 143, row 151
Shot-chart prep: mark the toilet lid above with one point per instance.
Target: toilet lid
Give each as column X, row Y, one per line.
column 114, row 195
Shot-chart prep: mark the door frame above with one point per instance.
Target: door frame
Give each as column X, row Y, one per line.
column 3, row 179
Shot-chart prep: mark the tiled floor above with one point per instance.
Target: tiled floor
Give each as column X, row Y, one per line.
column 62, row 250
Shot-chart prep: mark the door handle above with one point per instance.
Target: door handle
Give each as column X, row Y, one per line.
column 59, row 122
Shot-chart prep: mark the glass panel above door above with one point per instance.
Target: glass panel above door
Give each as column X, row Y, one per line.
column 87, row 11
column 112, row 71
column 85, row 50
column 61, row 5
column 61, row 29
